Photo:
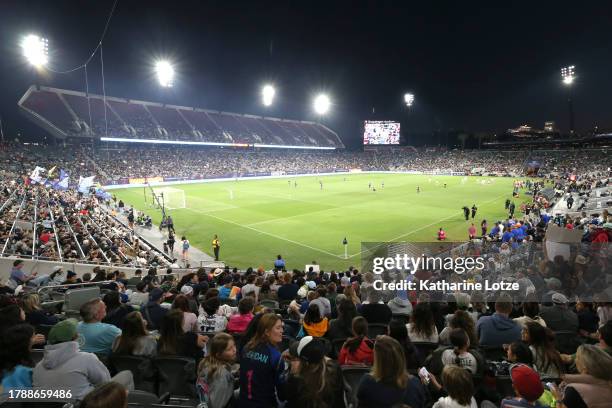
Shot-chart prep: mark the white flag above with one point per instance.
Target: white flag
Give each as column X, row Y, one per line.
column 85, row 183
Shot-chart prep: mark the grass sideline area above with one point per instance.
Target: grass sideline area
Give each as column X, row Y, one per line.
column 258, row 219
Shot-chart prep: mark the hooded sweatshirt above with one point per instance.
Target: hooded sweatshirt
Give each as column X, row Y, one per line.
column 363, row 355
column 448, row 402
column 65, row 367
column 497, row 329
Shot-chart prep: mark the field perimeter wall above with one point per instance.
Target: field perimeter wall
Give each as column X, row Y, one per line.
column 168, row 181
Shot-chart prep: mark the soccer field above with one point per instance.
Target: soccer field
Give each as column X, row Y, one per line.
column 258, row 219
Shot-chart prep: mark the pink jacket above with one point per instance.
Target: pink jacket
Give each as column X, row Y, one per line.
column 238, row 322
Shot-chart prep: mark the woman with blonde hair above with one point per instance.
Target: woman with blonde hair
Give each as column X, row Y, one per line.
column 389, row 384
column 592, row 387
column 35, row 315
column 350, row 294
column 215, row 383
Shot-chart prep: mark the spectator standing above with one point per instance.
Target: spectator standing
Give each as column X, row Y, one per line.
column 279, row 263
column 216, row 246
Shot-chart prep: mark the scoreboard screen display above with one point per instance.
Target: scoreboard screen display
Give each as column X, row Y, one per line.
column 381, row 133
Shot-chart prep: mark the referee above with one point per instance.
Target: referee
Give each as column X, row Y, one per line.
column 216, row 244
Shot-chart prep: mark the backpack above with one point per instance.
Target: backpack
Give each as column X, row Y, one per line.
column 185, row 245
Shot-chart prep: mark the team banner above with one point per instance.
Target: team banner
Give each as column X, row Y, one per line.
column 485, row 270
column 85, row 183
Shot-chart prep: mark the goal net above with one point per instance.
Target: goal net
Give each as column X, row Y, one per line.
column 172, row 197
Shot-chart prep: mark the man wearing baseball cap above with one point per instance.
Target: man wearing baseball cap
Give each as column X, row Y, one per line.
column 64, row 367
column 527, row 387
column 559, row 317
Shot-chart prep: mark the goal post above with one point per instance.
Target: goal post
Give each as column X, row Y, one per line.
column 173, row 198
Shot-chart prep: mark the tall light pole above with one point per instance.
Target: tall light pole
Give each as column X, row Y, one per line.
column 409, row 101
column 568, row 74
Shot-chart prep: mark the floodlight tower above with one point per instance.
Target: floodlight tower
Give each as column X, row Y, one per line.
column 409, row 101
column 568, row 75
column 267, row 95
column 321, row 105
column 165, row 73
column 35, row 50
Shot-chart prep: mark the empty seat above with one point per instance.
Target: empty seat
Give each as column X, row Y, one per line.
column 176, row 375
column 142, row 368
column 425, row 348
column 376, row 329
column 351, row 377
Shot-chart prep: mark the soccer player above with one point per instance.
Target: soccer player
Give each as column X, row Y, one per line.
column 507, row 203
column 321, row 184
column 444, row 185
column 295, row 184
column 511, row 209
column 382, row 184
column 369, row 185
column 474, row 209
column 466, row 212
column 418, row 189
column 216, row 245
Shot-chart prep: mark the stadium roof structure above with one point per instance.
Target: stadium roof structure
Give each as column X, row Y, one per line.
column 65, row 113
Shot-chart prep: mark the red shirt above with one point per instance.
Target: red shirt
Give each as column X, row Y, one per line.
column 239, row 322
column 44, row 237
column 472, row 230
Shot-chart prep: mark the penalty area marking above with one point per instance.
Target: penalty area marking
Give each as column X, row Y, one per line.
column 266, row 233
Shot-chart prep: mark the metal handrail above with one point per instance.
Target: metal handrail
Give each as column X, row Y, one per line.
column 14, row 222
column 70, row 285
column 34, row 225
column 72, row 232
column 100, row 229
column 78, row 217
column 59, row 248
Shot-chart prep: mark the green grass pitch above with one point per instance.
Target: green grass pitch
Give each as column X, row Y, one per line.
column 258, row 219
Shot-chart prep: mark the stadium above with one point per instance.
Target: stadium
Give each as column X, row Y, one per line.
column 247, row 222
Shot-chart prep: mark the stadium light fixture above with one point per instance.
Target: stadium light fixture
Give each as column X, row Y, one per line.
column 267, row 95
column 409, row 99
column 568, row 75
column 165, row 73
column 35, row 50
column 321, row 104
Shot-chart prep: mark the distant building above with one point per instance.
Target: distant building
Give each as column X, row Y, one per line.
column 550, row 127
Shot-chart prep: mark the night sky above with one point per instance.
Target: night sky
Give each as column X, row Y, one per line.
column 472, row 67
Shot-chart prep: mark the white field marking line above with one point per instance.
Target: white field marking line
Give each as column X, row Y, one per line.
column 320, row 211
column 287, row 197
column 225, row 206
column 425, row 226
column 263, row 232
